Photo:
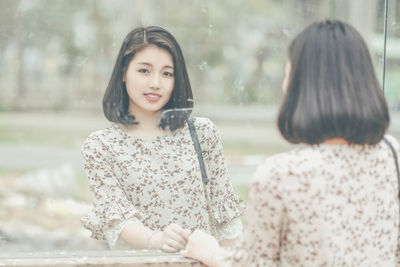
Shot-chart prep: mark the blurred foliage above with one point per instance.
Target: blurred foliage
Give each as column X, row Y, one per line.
column 59, row 54
column 242, row 191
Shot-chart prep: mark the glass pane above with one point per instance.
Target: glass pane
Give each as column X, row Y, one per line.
column 57, row 57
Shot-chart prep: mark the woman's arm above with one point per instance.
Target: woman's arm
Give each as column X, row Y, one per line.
column 228, row 242
column 172, row 239
column 112, row 208
column 226, row 206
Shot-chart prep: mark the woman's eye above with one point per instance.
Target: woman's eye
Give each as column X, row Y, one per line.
column 143, row 70
column 168, row 74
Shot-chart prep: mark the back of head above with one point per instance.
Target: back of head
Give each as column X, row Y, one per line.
column 333, row 91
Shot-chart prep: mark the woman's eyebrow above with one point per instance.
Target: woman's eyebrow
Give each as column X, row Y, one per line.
column 150, row 65
column 144, row 63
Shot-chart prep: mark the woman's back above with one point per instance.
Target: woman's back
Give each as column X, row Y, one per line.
column 336, row 205
column 324, row 204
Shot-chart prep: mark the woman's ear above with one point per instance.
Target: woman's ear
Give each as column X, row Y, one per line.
column 123, row 77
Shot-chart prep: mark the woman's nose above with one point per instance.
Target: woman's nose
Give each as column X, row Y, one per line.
column 155, row 82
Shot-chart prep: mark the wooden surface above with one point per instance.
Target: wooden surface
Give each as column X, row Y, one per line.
column 95, row 258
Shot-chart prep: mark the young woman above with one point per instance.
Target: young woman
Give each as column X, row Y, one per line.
column 334, row 201
column 143, row 170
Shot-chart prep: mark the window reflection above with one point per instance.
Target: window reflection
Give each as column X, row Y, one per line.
column 56, row 61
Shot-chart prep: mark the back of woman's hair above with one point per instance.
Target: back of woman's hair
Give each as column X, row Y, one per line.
column 116, row 99
column 332, row 90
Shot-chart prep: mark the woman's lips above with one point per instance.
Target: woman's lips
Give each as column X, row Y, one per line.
column 152, row 97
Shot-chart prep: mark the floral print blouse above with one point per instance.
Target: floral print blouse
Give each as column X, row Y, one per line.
column 323, row 205
column 158, row 182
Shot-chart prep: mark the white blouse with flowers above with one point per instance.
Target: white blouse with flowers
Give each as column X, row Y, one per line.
column 158, row 182
column 323, row 205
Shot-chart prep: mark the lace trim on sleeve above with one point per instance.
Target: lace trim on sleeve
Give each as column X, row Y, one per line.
column 230, row 207
column 230, row 230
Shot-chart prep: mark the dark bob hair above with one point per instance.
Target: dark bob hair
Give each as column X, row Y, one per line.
column 116, row 99
column 332, row 90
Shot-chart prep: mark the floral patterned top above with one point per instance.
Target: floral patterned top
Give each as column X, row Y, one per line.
column 323, row 205
column 158, row 182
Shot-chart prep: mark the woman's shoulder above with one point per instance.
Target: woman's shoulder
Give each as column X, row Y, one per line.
column 101, row 136
column 392, row 141
column 205, row 127
column 294, row 163
column 201, row 122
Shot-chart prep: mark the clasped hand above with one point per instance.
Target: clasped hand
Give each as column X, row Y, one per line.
column 173, row 239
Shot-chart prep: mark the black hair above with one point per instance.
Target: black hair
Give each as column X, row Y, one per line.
column 332, row 91
column 116, row 99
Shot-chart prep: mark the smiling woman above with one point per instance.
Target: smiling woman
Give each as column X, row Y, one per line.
column 143, row 170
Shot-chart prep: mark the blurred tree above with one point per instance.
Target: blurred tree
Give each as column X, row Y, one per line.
column 34, row 25
column 8, row 10
column 363, row 15
column 235, row 49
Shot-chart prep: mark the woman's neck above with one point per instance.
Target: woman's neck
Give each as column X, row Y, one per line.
column 147, row 127
column 146, row 119
column 336, row 141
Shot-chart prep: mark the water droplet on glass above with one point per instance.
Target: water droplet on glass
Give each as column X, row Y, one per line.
column 202, row 66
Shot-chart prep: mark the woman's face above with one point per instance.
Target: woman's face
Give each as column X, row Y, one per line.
column 149, row 80
column 285, row 82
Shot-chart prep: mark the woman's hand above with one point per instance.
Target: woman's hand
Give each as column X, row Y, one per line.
column 203, row 247
column 172, row 239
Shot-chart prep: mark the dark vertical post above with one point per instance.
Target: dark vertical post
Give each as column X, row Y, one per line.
column 384, row 43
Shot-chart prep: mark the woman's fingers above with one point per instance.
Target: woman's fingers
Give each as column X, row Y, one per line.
column 174, row 244
column 175, row 232
column 172, row 236
column 167, row 248
column 184, row 233
column 185, row 253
